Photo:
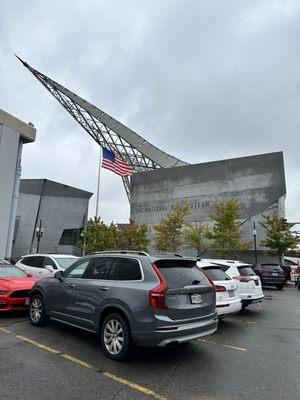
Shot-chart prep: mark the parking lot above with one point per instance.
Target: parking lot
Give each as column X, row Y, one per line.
column 254, row 355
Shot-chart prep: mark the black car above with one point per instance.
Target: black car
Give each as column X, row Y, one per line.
column 271, row 275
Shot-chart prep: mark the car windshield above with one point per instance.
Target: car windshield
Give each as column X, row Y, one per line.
column 9, row 272
column 65, row 262
column 246, row 270
column 216, row 274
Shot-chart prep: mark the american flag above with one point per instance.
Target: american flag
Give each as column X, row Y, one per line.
column 115, row 164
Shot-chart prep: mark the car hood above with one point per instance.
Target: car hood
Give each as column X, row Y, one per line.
column 14, row 283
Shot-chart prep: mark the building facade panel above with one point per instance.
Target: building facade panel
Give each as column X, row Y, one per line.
column 59, row 207
column 13, row 133
column 257, row 182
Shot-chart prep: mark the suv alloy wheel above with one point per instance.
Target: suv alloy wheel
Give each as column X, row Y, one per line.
column 115, row 337
column 37, row 311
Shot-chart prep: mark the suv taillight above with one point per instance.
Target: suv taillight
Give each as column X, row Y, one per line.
column 208, row 277
column 220, row 288
column 157, row 296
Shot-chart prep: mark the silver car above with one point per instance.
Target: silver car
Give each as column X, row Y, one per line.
column 129, row 298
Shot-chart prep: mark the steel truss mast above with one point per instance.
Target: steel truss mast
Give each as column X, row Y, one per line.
column 107, row 131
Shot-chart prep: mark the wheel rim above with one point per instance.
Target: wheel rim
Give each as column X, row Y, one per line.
column 113, row 336
column 36, row 310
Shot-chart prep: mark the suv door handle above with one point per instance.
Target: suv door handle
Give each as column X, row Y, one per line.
column 103, row 288
column 71, row 286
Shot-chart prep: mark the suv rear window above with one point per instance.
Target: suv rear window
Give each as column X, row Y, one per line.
column 179, row 273
column 216, row 274
column 246, row 271
column 271, row 267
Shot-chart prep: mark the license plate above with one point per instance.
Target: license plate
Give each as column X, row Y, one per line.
column 27, row 301
column 231, row 293
column 196, row 298
column 275, row 274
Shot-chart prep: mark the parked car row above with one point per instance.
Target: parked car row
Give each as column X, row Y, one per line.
column 130, row 298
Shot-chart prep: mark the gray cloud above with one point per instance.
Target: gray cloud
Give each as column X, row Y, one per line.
column 203, row 80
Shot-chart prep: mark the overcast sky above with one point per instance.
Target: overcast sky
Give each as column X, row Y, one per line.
column 203, row 80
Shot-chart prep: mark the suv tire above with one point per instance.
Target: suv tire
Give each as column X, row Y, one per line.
column 115, row 337
column 279, row 287
column 37, row 312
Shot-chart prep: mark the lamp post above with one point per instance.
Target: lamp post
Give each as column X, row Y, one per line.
column 39, row 233
column 82, row 238
column 255, row 245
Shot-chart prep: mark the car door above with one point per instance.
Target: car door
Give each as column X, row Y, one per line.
column 62, row 292
column 92, row 292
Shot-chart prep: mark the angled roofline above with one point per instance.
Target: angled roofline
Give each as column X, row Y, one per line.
column 159, row 157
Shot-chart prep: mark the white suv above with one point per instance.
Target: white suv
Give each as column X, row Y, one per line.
column 228, row 301
column 249, row 284
column 45, row 265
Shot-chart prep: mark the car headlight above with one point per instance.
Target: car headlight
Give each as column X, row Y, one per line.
column 3, row 291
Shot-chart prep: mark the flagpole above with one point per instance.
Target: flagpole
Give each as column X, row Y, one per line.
column 98, row 185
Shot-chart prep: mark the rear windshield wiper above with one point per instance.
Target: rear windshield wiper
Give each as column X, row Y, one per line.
column 195, row 282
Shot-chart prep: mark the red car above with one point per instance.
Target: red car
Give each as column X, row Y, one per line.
column 15, row 287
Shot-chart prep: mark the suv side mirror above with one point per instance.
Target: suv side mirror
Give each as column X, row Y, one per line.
column 49, row 268
column 59, row 275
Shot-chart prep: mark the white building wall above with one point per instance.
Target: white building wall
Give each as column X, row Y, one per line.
column 9, row 142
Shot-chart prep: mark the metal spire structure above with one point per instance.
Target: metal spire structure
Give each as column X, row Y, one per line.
column 107, row 131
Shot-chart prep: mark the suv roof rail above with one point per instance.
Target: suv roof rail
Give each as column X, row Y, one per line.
column 139, row 252
column 167, row 254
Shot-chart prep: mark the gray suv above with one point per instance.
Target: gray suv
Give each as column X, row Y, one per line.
column 129, row 298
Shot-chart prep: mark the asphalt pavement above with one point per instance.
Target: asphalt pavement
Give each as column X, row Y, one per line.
column 254, row 355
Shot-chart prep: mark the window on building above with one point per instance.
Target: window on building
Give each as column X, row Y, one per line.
column 70, row 237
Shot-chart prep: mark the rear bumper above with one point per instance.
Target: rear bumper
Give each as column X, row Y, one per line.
column 251, row 296
column 253, row 299
column 228, row 307
column 272, row 281
column 187, row 338
column 178, row 333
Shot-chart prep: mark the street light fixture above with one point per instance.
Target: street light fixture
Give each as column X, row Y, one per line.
column 255, row 244
column 39, row 233
column 82, row 238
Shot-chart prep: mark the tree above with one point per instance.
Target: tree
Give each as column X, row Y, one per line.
column 225, row 232
column 279, row 237
column 169, row 231
column 133, row 236
column 98, row 236
column 195, row 237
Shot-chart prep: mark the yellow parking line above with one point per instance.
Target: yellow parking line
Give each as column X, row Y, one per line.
column 41, row 346
column 80, row 362
column 228, row 346
column 234, row 347
column 135, row 386
column 84, row 364
column 4, row 330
